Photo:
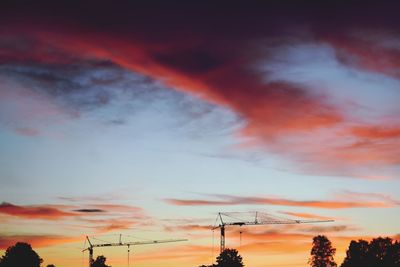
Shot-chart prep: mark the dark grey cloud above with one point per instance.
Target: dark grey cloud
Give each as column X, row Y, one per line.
column 90, row 210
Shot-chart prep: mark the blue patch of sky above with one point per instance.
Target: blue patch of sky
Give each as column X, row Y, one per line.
column 366, row 94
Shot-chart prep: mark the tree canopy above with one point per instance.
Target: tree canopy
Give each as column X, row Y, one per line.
column 357, row 254
column 228, row 258
column 380, row 252
column 99, row 262
column 322, row 252
column 20, row 255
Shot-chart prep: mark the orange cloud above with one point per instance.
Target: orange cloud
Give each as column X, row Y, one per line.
column 101, row 217
column 102, row 226
column 228, row 200
column 37, row 240
column 376, row 132
column 34, row 212
column 187, row 253
column 305, row 215
column 188, row 228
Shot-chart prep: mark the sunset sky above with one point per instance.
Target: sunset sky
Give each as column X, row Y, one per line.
column 149, row 119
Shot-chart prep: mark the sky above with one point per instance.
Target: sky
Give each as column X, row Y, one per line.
column 147, row 119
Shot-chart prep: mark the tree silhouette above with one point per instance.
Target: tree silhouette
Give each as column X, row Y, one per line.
column 357, row 254
column 382, row 252
column 99, row 262
column 51, row 265
column 322, row 252
column 396, row 253
column 20, row 255
column 229, row 258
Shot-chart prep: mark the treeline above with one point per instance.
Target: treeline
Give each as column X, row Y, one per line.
column 379, row 252
column 22, row 255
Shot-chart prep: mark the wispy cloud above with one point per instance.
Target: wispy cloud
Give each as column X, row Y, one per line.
column 90, row 210
column 101, row 217
column 34, row 212
column 188, row 228
column 305, row 215
column 228, row 200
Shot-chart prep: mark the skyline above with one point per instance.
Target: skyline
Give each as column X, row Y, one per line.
column 148, row 119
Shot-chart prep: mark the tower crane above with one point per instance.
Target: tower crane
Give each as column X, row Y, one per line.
column 265, row 219
column 127, row 244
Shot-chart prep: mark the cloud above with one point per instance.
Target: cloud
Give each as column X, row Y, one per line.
column 37, row 241
column 376, row 132
column 219, row 60
column 34, row 212
column 348, row 194
column 329, row 229
column 188, row 228
column 118, row 208
column 114, row 221
column 90, row 210
column 195, row 202
column 88, row 199
column 193, row 253
column 104, row 218
column 352, row 201
column 306, row 215
column 118, row 216
column 101, row 226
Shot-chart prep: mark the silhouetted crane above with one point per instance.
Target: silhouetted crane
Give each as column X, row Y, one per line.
column 127, row 244
column 265, row 220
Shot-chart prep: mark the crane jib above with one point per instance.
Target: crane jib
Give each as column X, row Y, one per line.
column 257, row 221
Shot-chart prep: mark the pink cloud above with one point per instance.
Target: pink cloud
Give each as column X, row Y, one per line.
column 352, row 200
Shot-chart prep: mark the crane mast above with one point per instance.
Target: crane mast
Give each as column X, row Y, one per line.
column 126, row 244
column 257, row 221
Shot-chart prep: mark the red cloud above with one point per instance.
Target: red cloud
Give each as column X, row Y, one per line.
column 132, row 214
column 34, row 212
column 355, row 51
column 215, row 60
column 376, row 132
